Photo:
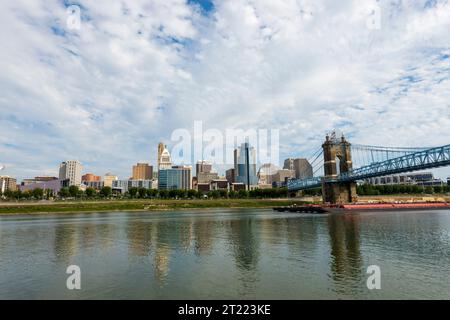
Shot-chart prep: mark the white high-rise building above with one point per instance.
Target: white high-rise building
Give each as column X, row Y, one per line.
column 165, row 161
column 71, row 170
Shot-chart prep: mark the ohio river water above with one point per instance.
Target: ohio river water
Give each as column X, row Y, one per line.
column 226, row 254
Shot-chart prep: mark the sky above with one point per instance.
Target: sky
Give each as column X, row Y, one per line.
column 134, row 71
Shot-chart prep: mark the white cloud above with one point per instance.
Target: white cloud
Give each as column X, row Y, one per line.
column 107, row 93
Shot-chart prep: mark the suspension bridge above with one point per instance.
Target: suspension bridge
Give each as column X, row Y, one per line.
column 343, row 164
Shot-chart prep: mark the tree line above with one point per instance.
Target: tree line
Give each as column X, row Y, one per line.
column 73, row 192
column 373, row 190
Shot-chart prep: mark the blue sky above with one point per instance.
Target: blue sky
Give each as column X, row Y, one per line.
column 107, row 93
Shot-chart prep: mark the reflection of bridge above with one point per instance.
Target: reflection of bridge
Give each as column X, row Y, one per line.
column 339, row 181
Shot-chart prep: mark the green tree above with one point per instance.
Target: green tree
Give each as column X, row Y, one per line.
column 152, row 193
column 429, row 190
column 23, row 195
column 191, row 193
column 38, row 193
column 173, row 193
column 223, row 193
column 106, row 192
column 64, row 192
column 74, row 191
column 214, row 194
column 232, row 194
column 242, row 194
column 90, row 192
column 164, row 194
column 142, row 193
column 133, row 192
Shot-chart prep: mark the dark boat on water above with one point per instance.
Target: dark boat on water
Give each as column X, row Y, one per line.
column 302, row 209
column 342, row 208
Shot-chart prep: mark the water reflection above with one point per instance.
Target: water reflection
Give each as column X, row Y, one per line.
column 346, row 261
column 246, row 253
column 65, row 242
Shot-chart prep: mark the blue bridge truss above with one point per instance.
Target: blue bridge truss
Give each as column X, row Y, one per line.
column 420, row 160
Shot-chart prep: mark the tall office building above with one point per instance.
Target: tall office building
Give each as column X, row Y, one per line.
column 160, row 151
column 230, row 175
column 109, row 179
column 142, row 171
column 203, row 167
column 71, row 170
column 178, row 177
column 245, row 165
column 7, row 184
column 266, row 173
column 205, row 173
column 283, row 175
column 300, row 166
column 165, row 161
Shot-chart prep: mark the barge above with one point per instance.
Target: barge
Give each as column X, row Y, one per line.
column 303, row 209
column 358, row 207
column 388, row 206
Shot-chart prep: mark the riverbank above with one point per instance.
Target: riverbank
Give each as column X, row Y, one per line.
column 42, row 207
column 406, row 198
column 10, row 208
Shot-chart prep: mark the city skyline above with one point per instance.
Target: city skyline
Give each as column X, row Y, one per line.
column 126, row 80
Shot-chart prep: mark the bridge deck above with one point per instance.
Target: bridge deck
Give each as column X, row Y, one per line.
column 426, row 159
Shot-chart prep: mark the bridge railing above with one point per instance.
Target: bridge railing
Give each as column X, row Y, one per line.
column 426, row 159
column 310, row 183
column 431, row 158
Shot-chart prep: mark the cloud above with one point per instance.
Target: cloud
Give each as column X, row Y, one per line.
column 134, row 72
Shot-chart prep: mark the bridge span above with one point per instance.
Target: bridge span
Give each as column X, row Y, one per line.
column 339, row 180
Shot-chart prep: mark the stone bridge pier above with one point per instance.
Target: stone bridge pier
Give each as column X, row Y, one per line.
column 337, row 160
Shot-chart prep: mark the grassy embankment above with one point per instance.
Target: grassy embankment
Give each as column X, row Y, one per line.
column 7, row 208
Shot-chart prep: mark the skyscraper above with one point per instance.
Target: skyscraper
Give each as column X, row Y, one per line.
column 109, row 179
column 203, row 166
column 178, row 177
column 204, row 172
column 160, row 151
column 142, row 171
column 71, row 170
column 245, row 165
column 164, row 161
column 302, row 167
column 7, row 184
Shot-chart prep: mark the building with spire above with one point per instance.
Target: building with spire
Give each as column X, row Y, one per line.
column 165, row 160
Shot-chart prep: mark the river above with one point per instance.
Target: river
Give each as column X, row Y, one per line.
column 226, row 254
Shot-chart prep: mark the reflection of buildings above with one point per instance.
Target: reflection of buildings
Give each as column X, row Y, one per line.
column 162, row 255
column 65, row 243
column 246, row 251
column 204, row 236
column 246, row 247
column 346, row 260
column 139, row 237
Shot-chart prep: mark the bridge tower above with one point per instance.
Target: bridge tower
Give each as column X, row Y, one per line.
column 337, row 159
